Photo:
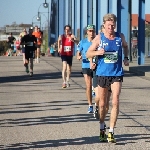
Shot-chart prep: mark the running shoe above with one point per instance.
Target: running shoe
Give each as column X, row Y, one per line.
column 64, row 85
column 68, row 84
column 31, row 74
column 90, row 109
column 111, row 138
column 102, row 136
column 26, row 68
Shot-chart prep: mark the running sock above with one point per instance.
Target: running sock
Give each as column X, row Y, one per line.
column 102, row 126
column 111, row 130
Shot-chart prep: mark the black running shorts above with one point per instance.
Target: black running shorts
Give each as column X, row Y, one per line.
column 87, row 71
column 104, row 81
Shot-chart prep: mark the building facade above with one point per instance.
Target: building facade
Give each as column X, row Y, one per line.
column 80, row 13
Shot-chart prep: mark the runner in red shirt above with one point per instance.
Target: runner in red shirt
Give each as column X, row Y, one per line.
column 66, row 48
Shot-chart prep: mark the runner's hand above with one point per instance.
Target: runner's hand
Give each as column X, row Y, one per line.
column 92, row 65
column 101, row 51
column 72, row 38
column 59, row 50
column 126, row 62
column 79, row 57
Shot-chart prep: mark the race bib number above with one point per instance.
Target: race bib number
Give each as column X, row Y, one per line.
column 30, row 44
column 67, row 48
column 110, row 57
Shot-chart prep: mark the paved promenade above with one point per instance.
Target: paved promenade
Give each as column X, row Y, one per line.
column 141, row 70
column 36, row 113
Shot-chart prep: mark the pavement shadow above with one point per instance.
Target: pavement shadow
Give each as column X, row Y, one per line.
column 129, row 74
column 121, row 140
column 48, row 120
column 52, row 143
column 44, row 76
column 145, row 68
column 35, row 107
column 124, row 139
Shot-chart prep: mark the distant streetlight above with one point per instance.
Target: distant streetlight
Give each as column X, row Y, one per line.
column 45, row 5
column 38, row 17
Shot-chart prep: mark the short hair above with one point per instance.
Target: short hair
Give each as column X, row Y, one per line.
column 67, row 26
column 36, row 27
column 109, row 17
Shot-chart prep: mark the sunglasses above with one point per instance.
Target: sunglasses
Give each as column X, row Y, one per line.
column 91, row 30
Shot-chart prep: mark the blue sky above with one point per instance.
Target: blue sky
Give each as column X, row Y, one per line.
column 23, row 11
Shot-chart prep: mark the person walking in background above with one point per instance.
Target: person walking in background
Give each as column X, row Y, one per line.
column 23, row 33
column 11, row 39
column 52, row 50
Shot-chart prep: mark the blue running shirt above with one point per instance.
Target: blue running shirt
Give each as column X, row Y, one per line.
column 110, row 64
column 82, row 48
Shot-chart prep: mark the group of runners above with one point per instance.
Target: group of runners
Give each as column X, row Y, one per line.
column 101, row 57
column 31, row 44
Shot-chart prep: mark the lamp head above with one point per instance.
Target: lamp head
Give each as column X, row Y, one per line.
column 45, row 5
column 38, row 18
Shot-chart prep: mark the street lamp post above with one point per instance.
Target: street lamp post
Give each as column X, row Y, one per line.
column 39, row 18
column 46, row 5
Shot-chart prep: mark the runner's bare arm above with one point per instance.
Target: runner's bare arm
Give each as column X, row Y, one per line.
column 91, row 51
column 59, row 42
column 79, row 49
column 79, row 56
column 124, row 45
column 74, row 39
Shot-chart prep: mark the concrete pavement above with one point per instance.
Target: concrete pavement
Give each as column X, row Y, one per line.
column 36, row 113
column 140, row 70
